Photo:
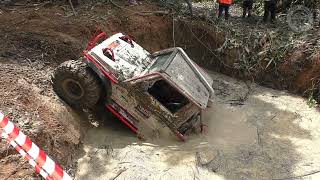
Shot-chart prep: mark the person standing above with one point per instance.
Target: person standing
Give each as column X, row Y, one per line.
column 269, row 9
column 224, row 6
column 247, row 8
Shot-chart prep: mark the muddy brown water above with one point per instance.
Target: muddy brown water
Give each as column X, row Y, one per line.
column 252, row 133
column 228, row 128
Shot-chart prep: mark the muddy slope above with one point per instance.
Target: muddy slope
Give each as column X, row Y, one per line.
column 37, row 38
column 274, row 56
column 26, row 97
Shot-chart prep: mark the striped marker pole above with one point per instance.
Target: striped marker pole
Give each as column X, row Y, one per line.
column 36, row 157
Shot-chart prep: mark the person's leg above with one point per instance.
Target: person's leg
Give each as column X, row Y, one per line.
column 220, row 10
column 273, row 11
column 249, row 12
column 226, row 11
column 244, row 7
column 75, row 2
column 266, row 11
column 250, row 5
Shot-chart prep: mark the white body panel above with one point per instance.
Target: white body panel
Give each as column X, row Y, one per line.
column 129, row 61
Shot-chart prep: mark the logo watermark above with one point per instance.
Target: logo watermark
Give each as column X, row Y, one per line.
column 300, row 19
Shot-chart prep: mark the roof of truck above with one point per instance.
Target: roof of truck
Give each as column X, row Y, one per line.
column 130, row 60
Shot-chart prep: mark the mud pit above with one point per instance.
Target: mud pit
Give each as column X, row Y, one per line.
column 252, row 132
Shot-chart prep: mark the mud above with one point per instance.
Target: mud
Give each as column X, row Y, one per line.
column 44, row 118
column 228, row 128
column 252, row 133
column 37, row 39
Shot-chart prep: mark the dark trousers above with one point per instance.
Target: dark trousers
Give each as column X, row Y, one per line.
column 247, row 7
column 225, row 8
column 269, row 8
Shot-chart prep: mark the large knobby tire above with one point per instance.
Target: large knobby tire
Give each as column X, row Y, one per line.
column 76, row 84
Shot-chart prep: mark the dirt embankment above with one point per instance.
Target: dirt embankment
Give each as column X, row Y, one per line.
column 38, row 38
column 273, row 56
column 48, row 122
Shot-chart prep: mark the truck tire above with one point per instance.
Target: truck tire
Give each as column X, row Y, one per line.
column 76, row 84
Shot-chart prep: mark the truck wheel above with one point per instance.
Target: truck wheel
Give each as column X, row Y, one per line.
column 76, row 84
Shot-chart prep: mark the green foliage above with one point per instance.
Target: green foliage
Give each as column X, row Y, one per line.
column 312, row 103
column 258, row 7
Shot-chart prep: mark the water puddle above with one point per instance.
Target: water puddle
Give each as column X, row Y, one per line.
column 228, row 128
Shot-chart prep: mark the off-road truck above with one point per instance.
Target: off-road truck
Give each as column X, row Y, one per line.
column 155, row 95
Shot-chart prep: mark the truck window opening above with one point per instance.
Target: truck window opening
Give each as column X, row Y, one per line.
column 168, row 96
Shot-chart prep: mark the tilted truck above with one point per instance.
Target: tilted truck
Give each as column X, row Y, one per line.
column 155, row 95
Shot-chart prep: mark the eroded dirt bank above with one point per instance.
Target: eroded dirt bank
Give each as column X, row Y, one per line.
column 252, row 133
column 271, row 55
column 27, row 99
column 36, row 39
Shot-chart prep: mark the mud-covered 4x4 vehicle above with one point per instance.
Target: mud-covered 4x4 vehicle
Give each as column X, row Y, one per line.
column 155, row 95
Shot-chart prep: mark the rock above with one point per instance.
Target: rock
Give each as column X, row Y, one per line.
column 206, row 156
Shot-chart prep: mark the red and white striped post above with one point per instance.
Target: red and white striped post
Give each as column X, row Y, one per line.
column 36, row 157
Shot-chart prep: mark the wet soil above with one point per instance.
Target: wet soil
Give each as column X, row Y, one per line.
column 265, row 134
column 36, row 40
column 251, row 133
